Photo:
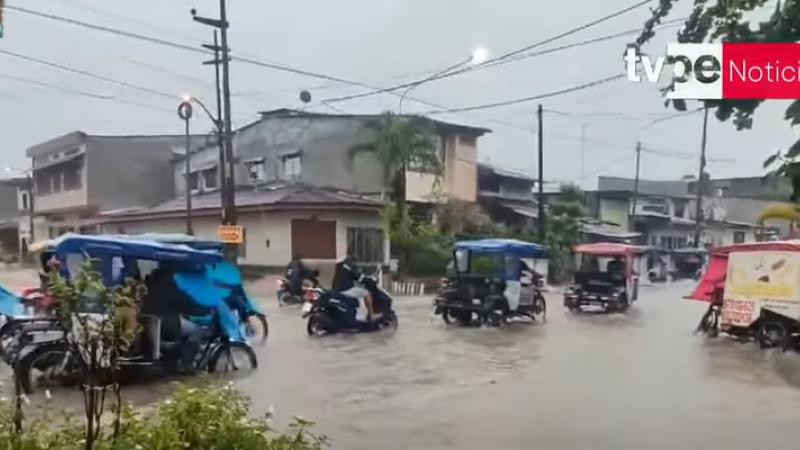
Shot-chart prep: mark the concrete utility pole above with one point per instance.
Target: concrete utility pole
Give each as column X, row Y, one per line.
column 224, row 187
column 230, row 196
column 541, row 175
column 698, row 215
column 632, row 215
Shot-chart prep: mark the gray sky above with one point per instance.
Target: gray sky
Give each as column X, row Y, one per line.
column 376, row 42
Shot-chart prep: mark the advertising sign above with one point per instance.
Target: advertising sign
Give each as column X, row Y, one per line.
column 231, row 234
column 757, row 280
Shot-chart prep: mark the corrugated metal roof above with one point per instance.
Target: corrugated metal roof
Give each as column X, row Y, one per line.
column 288, row 195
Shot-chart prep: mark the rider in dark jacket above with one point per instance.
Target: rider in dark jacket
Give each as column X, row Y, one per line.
column 345, row 276
column 296, row 272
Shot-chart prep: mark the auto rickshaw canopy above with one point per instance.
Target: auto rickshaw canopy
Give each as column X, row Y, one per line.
column 714, row 277
column 607, row 249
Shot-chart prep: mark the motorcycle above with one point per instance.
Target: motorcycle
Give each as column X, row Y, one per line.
column 330, row 312
column 284, row 293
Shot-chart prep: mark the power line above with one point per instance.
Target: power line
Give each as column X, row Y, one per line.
column 82, row 93
column 180, row 46
column 87, row 74
column 528, row 99
column 496, row 60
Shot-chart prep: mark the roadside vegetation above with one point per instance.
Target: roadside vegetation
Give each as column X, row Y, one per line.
column 210, row 417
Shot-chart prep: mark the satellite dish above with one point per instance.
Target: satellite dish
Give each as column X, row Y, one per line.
column 305, row 96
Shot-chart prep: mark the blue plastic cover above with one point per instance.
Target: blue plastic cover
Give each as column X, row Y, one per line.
column 519, row 248
column 96, row 246
column 227, row 274
column 206, row 293
column 10, row 304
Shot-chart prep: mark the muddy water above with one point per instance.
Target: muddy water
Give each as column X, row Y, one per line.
column 640, row 380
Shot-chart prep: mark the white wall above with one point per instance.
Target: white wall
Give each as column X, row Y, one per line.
column 268, row 234
column 724, row 236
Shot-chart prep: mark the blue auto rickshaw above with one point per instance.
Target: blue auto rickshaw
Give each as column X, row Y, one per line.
column 492, row 280
column 172, row 273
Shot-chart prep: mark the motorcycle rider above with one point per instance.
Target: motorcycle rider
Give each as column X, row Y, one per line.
column 296, row 272
column 344, row 282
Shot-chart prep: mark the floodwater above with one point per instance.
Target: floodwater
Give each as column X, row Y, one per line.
column 640, row 380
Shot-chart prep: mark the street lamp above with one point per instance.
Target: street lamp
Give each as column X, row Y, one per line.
column 29, row 186
column 185, row 113
column 225, row 184
column 478, row 56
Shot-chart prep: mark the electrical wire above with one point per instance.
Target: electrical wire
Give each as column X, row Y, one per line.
column 82, row 93
column 88, row 74
column 496, row 60
column 180, row 46
column 528, row 99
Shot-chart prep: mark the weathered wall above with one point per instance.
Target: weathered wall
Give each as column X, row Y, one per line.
column 323, row 143
column 124, row 172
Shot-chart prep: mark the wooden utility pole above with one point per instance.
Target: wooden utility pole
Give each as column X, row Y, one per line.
column 540, row 197
column 632, row 214
column 698, row 214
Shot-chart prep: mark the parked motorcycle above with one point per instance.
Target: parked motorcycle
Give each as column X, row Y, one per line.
column 331, row 312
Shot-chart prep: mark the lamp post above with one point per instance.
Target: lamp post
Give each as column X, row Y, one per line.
column 478, row 56
column 218, row 124
column 185, row 113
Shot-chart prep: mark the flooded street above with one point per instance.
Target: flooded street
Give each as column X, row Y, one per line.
column 641, row 380
column 635, row 381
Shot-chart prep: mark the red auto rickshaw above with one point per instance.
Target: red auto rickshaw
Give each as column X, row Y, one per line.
column 753, row 291
column 605, row 277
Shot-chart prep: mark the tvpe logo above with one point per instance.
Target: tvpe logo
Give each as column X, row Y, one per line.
column 723, row 71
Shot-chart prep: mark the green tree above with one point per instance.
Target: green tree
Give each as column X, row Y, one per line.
column 563, row 231
column 400, row 142
column 725, row 21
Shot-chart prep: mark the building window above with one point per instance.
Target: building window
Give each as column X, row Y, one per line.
column 256, row 170
column 194, row 182
column 738, row 237
column 72, row 178
column 366, row 244
column 23, row 201
column 210, row 180
column 292, row 167
column 680, row 209
column 55, row 183
column 43, row 184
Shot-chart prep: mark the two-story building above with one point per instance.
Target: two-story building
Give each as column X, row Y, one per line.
column 508, row 197
column 664, row 213
column 78, row 177
column 302, row 192
column 286, row 145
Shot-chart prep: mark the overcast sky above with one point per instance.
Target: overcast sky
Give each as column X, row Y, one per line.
column 378, row 42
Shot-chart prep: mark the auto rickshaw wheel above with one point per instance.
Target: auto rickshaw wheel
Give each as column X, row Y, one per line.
column 496, row 311
column 772, row 334
column 539, row 310
column 463, row 318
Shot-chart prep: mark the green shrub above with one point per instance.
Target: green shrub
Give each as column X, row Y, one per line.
column 206, row 418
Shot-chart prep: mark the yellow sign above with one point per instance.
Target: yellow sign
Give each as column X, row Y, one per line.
column 231, row 234
column 757, row 280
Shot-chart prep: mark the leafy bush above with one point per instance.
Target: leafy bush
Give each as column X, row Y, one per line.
column 206, row 418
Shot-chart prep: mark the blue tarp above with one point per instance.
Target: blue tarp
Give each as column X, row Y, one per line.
column 96, row 246
column 519, row 248
column 10, row 304
column 206, row 293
